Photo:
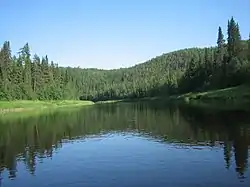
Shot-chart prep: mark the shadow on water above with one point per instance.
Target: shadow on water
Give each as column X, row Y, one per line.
column 231, row 128
column 32, row 139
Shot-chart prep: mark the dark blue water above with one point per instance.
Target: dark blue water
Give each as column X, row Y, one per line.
column 126, row 145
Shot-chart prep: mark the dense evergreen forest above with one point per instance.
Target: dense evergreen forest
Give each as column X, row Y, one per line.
column 23, row 76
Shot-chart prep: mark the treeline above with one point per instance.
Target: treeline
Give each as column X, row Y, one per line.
column 25, row 78
column 194, row 69
column 224, row 66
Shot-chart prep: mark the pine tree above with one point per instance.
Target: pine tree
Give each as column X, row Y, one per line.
column 219, row 67
column 6, row 70
column 208, row 61
column 25, row 56
column 19, row 72
column 220, row 47
column 230, row 39
column 1, row 67
column 13, row 76
column 36, row 73
column 45, row 70
column 57, row 81
column 235, row 58
column 13, row 69
column 234, row 39
column 2, row 94
column 238, row 48
column 18, row 79
column 6, row 61
column 220, row 40
column 248, row 49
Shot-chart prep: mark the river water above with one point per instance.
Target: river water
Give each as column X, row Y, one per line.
column 126, row 145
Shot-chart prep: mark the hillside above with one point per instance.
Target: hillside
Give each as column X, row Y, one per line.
column 194, row 69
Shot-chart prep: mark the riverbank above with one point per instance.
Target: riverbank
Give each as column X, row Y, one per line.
column 239, row 94
column 130, row 100
column 22, row 105
column 228, row 98
column 225, row 99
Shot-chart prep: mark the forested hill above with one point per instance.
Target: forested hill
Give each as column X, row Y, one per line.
column 194, row 69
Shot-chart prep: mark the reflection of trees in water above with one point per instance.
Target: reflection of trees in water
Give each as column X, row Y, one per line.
column 241, row 152
column 232, row 126
column 31, row 140
column 227, row 153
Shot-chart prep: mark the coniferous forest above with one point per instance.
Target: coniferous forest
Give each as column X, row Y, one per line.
column 26, row 77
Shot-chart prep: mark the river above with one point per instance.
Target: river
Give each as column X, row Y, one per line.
column 126, row 145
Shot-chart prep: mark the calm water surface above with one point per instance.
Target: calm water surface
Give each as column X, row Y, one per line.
column 126, row 145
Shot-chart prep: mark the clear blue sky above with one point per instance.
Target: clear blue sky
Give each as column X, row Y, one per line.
column 116, row 33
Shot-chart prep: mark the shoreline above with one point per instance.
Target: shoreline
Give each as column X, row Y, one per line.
column 7, row 107
column 231, row 95
column 234, row 97
column 229, row 98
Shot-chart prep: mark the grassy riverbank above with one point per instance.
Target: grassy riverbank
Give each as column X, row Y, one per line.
column 235, row 96
column 239, row 94
column 130, row 100
column 19, row 106
column 228, row 98
column 225, row 99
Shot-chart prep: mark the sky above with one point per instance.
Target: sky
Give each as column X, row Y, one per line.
column 110, row 34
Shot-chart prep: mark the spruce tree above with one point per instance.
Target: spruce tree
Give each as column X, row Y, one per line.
column 6, row 61
column 238, row 42
column 220, row 40
column 45, row 71
column 2, row 94
column 220, row 47
column 234, row 39
column 208, row 62
column 19, row 71
column 230, row 37
column 248, row 49
column 1, row 67
column 27, row 85
column 18, row 80
column 219, row 67
column 6, row 70
column 36, row 73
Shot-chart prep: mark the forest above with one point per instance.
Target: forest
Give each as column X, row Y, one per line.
column 26, row 77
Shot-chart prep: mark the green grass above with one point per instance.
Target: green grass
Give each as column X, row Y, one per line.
column 130, row 100
column 108, row 101
column 228, row 98
column 234, row 96
column 23, row 105
column 36, row 112
column 239, row 93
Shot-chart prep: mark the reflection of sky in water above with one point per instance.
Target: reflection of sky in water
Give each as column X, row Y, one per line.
column 127, row 145
column 125, row 160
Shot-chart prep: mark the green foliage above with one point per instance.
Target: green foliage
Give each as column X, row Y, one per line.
column 248, row 51
column 234, row 39
column 235, row 96
column 229, row 67
column 12, row 108
column 23, row 78
column 186, row 70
